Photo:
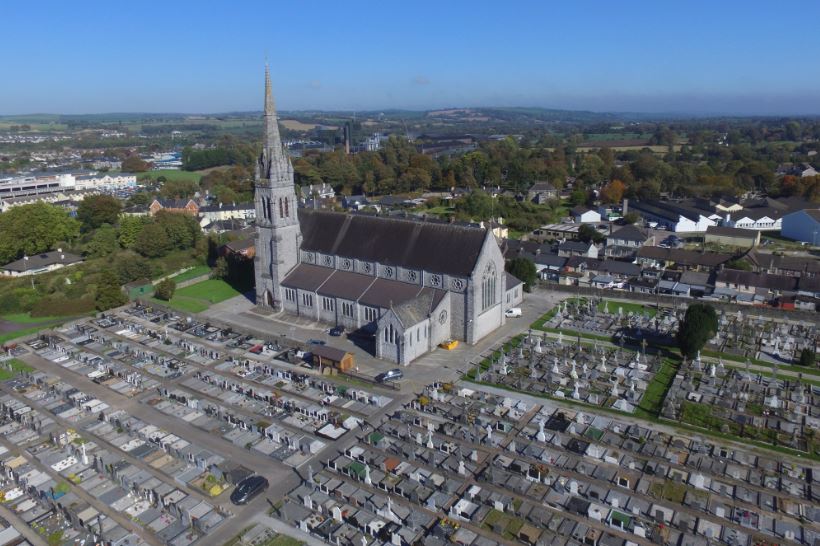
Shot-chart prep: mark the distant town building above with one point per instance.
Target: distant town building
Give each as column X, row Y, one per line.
column 541, row 192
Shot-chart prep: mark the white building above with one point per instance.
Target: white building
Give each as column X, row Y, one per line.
column 105, row 181
column 40, row 263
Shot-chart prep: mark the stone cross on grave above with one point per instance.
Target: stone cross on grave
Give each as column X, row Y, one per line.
column 614, row 391
column 541, row 436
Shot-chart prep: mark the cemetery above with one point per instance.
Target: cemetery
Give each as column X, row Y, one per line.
column 772, row 408
column 459, row 465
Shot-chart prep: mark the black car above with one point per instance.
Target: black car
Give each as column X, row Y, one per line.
column 248, row 488
column 337, row 331
column 315, row 342
column 390, row 375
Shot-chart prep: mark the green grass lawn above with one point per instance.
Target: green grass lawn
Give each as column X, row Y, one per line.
column 627, row 307
column 652, row 400
column 198, row 297
column 197, row 271
column 170, row 174
column 25, row 318
column 11, row 368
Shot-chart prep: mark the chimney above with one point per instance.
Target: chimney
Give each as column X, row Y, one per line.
column 625, row 208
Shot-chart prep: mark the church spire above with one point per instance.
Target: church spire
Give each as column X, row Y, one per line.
column 273, row 159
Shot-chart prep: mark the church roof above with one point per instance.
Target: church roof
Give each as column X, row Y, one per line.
column 416, row 310
column 383, row 292
column 439, row 248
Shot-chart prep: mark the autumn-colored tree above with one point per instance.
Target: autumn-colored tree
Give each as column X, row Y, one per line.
column 613, row 192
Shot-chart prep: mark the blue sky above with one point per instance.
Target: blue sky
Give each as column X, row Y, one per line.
column 693, row 56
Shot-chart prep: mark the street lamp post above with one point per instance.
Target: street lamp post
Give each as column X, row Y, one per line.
column 25, row 260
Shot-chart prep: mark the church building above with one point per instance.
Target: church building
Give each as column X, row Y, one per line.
column 412, row 284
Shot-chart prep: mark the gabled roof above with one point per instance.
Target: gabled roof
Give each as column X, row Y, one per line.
column 630, row 233
column 574, row 246
column 38, row 261
column 683, row 257
column 512, row 280
column 439, row 248
column 758, row 280
column 415, row 310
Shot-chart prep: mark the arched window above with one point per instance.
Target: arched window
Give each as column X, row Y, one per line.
column 488, row 286
column 287, row 208
column 281, row 213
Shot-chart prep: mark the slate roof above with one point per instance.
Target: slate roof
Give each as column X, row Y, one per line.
column 383, row 292
column 38, row 261
column 343, row 284
column 307, row 277
column 542, row 186
column 417, row 309
column 440, row 248
column 629, row 233
column 732, row 232
column 574, row 246
column 684, row 257
column 326, row 351
column 759, row 280
column 512, row 280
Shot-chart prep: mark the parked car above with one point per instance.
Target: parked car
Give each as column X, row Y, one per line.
column 337, row 331
column 248, row 488
column 315, row 342
column 512, row 312
column 390, row 375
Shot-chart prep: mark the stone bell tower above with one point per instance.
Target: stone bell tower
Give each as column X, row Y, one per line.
column 278, row 235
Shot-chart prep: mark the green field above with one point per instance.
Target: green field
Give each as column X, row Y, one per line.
column 11, row 368
column 169, row 174
column 198, row 297
column 25, row 318
column 197, row 271
column 627, row 308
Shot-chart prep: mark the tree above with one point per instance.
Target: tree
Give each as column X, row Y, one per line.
column 632, row 217
column 152, row 241
column 807, row 357
column 130, row 228
column 588, row 234
column 96, row 210
column 699, row 325
column 103, row 242
column 524, row 270
column 739, row 263
column 109, row 292
column 133, row 164
column 32, row 229
column 613, row 192
column 221, row 268
column 164, row 290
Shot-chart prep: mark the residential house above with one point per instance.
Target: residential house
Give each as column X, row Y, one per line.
column 661, row 258
column 40, row 263
column 577, row 248
column 801, row 266
column 626, row 241
column 802, row 225
column 753, row 287
column 354, row 202
column 729, row 236
column 314, row 191
column 541, row 192
column 227, row 211
column 184, row 206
